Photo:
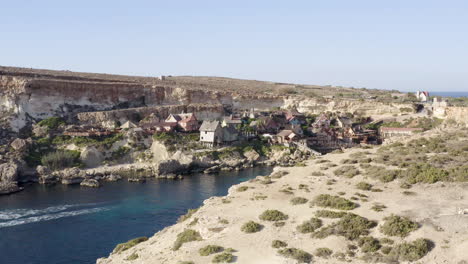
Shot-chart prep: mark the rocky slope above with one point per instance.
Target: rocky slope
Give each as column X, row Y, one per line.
column 219, row 223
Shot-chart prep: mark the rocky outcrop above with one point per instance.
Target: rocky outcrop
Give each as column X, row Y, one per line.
column 71, row 176
column 20, row 144
column 90, row 183
column 9, row 178
column 91, row 157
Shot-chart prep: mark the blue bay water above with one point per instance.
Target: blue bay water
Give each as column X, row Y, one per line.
column 450, row 94
column 72, row 224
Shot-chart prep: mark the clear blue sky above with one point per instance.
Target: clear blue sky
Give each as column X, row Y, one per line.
column 393, row 44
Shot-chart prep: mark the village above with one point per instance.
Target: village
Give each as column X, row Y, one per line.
column 319, row 134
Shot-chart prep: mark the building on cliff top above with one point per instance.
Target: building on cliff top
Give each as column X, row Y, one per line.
column 422, row 96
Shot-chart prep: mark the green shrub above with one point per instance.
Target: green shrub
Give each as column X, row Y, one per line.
column 398, row 226
column 386, row 250
column 242, row 188
column 133, row 256
column 129, row 244
column 411, row 251
column 323, row 252
column 279, row 224
column 251, row 227
column 273, row 215
column 119, row 153
column 188, row 235
column 61, row 159
column 51, row 122
column 350, row 226
column 347, row 171
column 278, row 244
column 317, row 173
column 386, row 240
column 309, row 226
column 223, row 258
column 210, row 249
column 298, row 200
column 378, row 207
column 297, row 254
column 186, row 216
column 335, row 202
column 364, row 186
column 369, row 244
column 329, row 214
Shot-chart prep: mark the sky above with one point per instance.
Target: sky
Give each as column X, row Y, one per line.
column 395, row 44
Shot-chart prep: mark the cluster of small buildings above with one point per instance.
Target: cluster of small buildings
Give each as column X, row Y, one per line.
column 327, row 132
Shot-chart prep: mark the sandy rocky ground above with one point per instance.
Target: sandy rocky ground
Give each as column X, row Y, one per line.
column 434, row 206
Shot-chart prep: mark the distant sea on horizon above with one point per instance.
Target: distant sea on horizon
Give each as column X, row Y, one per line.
column 450, row 94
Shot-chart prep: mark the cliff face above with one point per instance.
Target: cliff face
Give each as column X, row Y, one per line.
column 105, row 118
column 27, row 97
column 368, row 108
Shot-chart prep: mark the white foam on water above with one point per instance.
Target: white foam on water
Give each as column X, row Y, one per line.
column 47, row 217
column 19, row 213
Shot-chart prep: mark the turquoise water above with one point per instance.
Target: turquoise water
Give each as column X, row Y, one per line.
column 73, row 224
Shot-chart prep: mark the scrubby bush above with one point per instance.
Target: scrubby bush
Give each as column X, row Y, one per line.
column 378, row 207
column 186, row 216
column 317, row 173
column 210, row 249
column 242, row 188
column 323, row 252
column 386, row 250
column 369, row 244
column 350, row 226
column 279, row 224
column 309, row 226
column 251, row 227
column 273, row 215
column 188, row 235
column 411, row 251
column 335, row 202
column 299, row 200
column 129, row 244
column 329, row 214
column 61, row 159
column 278, row 244
column 398, row 226
column 364, row 186
column 223, row 258
column 299, row 255
column 51, row 122
column 347, row 171
column 133, row 256
column 279, row 174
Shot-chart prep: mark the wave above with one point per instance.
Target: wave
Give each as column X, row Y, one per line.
column 20, row 213
column 47, row 217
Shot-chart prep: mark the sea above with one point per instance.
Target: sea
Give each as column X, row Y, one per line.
column 63, row 224
column 450, row 94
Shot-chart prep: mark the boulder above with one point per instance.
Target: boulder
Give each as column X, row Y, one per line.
column 72, row 176
column 169, row 167
column 19, row 144
column 252, row 155
column 9, row 187
column 48, row 179
column 90, row 183
column 9, row 172
column 91, row 157
column 112, row 178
